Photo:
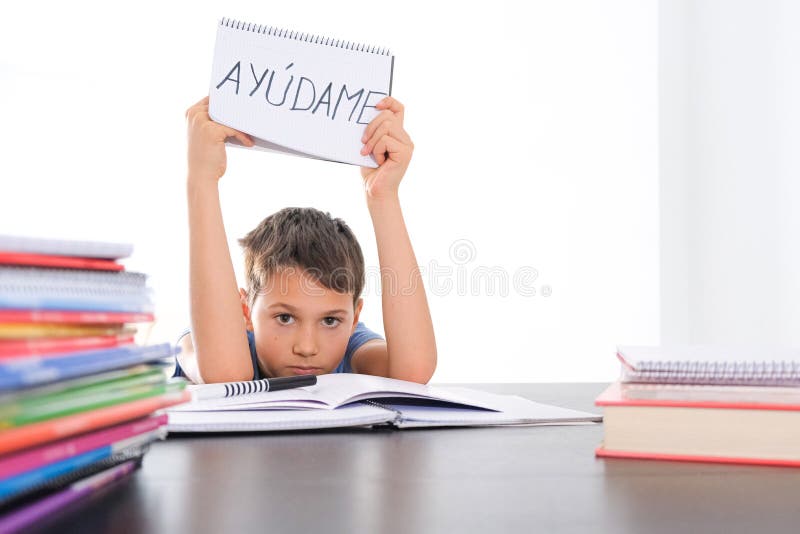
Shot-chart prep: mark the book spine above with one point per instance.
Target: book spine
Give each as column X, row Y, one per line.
column 73, row 317
column 40, row 278
column 60, row 481
column 41, row 475
column 76, row 304
column 19, row 483
column 29, row 514
column 65, row 247
column 42, row 412
column 606, row 453
column 59, row 346
column 27, row 460
column 79, row 383
column 67, row 391
column 34, row 434
column 37, row 370
column 66, row 262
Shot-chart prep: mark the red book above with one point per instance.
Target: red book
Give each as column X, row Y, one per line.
column 64, row 262
column 81, row 317
column 55, row 346
column 727, row 431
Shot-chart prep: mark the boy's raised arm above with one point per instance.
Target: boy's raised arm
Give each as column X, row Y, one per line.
column 410, row 343
column 218, row 327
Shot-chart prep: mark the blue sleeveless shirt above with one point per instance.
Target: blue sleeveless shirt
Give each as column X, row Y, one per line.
column 360, row 335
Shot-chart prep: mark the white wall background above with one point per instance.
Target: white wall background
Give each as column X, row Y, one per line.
column 730, row 171
column 537, row 148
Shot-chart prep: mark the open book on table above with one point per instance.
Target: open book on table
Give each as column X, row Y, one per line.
column 342, row 400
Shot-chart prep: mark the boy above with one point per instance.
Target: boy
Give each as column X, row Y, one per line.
column 299, row 313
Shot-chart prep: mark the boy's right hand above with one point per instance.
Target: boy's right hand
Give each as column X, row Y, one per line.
column 206, row 140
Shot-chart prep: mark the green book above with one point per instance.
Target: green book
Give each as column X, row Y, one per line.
column 30, row 408
column 77, row 383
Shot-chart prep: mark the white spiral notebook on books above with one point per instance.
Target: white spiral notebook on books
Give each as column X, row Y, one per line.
column 40, row 288
column 297, row 93
column 347, row 400
column 711, row 365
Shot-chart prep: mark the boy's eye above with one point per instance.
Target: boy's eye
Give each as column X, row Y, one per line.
column 284, row 318
column 331, row 321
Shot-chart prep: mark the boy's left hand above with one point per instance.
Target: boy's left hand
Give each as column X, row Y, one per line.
column 391, row 146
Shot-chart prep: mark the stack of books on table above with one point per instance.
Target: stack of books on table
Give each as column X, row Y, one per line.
column 704, row 404
column 79, row 399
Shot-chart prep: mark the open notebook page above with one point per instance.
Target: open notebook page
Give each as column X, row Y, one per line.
column 335, row 390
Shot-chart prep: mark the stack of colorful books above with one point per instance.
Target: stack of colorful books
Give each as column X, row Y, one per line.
column 80, row 401
column 704, row 404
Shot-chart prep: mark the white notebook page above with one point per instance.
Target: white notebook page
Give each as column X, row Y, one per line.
column 320, row 99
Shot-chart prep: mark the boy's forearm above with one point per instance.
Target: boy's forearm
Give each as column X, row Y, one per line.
column 406, row 318
column 218, row 328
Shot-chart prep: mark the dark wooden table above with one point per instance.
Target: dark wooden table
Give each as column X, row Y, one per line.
column 526, row 479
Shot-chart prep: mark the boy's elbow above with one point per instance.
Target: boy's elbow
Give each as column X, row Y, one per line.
column 213, row 375
column 421, row 373
column 422, row 377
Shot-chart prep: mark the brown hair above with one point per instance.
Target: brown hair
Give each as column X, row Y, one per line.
column 320, row 246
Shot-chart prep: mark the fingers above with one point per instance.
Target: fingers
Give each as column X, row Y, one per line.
column 386, row 128
column 369, row 131
column 390, row 145
column 202, row 102
column 220, row 131
column 384, row 124
column 383, row 128
column 241, row 136
column 391, row 108
column 196, row 111
column 393, row 105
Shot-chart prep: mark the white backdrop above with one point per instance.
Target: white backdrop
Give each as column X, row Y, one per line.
column 536, row 161
column 730, row 80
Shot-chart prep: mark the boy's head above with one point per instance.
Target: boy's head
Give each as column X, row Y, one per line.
column 305, row 274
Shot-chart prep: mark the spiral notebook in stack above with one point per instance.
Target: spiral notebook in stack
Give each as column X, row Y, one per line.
column 705, row 403
column 297, row 93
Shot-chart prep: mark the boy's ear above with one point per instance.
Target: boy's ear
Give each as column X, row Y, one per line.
column 358, row 306
column 245, row 309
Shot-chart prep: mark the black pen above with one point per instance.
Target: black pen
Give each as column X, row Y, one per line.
column 231, row 389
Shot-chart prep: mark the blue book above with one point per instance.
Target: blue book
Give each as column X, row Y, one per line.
column 75, row 303
column 58, row 474
column 36, row 370
column 35, row 477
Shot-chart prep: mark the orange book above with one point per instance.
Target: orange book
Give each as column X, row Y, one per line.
column 47, row 431
column 17, row 331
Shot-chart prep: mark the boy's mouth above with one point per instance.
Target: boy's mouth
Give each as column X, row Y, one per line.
column 303, row 370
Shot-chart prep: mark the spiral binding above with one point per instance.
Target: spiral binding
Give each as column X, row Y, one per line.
column 398, row 415
column 69, row 283
column 306, row 37
column 727, row 373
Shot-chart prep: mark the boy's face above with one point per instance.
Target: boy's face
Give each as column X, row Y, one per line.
column 300, row 326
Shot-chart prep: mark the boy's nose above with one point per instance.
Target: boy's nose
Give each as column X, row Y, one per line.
column 305, row 344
